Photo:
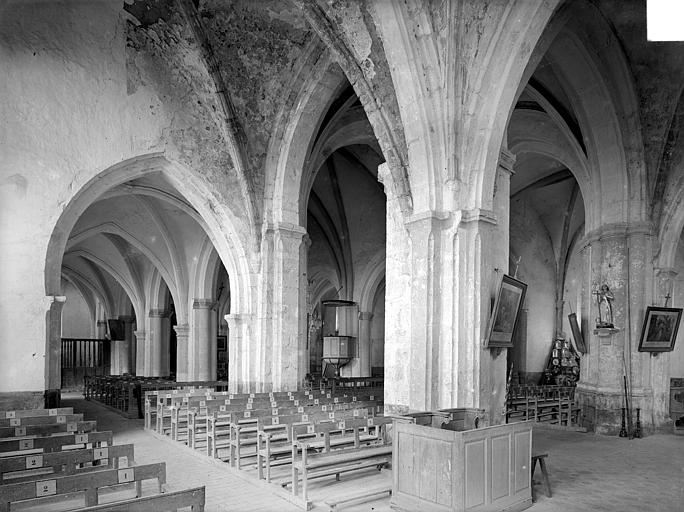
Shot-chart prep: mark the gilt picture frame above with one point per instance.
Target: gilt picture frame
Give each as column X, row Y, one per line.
column 577, row 334
column 659, row 330
column 506, row 312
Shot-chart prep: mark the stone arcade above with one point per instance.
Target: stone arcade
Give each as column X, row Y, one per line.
column 199, row 169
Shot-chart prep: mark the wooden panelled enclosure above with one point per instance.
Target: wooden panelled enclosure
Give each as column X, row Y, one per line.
column 480, row 470
column 81, row 357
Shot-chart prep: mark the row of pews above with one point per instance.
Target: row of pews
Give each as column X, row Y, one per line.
column 124, row 393
column 551, row 404
column 53, row 459
column 290, row 438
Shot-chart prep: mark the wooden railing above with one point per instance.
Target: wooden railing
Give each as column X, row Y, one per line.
column 81, row 357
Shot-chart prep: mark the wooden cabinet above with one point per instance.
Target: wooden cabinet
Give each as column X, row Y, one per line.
column 486, row 469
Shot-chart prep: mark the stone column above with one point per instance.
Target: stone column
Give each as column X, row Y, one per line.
column 201, row 341
column 280, row 359
column 364, row 342
column 53, row 347
column 619, row 256
column 165, row 345
column 182, row 368
column 155, row 343
column 126, row 347
column 140, row 350
column 239, row 368
column 101, row 329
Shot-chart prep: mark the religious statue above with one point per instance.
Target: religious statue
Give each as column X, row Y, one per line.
column 604, row 299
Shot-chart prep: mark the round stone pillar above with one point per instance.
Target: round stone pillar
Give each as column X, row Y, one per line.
column 140, row 368
column 125, row 349
column 182, row 335
column 364, row 341
column 203, row 342
column 154, row 345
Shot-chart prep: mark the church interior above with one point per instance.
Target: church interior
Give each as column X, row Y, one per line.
column 455, row 219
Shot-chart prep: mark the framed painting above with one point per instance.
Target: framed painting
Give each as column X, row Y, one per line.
column 659, row 332
column 506, row 311
column 577, row 333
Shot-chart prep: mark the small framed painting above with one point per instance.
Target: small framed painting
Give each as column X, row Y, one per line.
column 507, row 306
column 659, row 331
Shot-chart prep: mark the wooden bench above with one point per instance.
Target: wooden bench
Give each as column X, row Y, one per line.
column 47, row 430
column 58, row 442
column 319, row 436
column 542, row 464
column 40, row 420
column 49, row 491
column 246, row 433
column 32, row 413
column 168, row 501
column 334, row 463
column 23, row 468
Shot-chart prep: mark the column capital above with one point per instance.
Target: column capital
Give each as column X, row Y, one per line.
column 157, row 313
column 203, row 303
column 102, row 322
column 48, row 300
column 506, row 161
column 285, row 228
column 182, row 330
column 477, row 215
column 365, row 315
column 139, row 335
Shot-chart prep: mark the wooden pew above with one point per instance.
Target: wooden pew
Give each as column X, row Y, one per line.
column 52, row 490
column 243, row 427
column 40, row 420
column 22, row 468
column 47, row 430
column 26, row 413
column 57, row 442
column 319, row 465
column 168, row 501
column 178, row 405
column 318, row 435
column 202, row 409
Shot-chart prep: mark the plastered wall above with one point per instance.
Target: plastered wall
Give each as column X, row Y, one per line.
column 530, row 241
column 65, row 98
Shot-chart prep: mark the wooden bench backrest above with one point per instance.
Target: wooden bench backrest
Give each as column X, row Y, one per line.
column 46, row 430
column 88, row 482
column 25, row 413
column 40, row 420
column 63, row 462
column 55, row 442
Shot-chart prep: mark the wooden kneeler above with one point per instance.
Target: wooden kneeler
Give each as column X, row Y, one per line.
column 542, row 464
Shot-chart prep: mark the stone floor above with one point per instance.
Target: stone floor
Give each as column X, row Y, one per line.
column 587, row 472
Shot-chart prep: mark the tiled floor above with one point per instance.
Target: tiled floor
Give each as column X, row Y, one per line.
column 587, row 472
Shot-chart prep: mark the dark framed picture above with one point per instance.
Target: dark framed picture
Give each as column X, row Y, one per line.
column 659, row 331
column 222, row 342
column 577, row 334
column 507, row 306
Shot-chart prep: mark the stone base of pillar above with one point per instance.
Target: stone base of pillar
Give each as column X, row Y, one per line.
column 601, row 411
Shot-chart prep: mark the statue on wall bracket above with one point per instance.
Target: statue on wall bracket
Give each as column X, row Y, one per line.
column 604, row 300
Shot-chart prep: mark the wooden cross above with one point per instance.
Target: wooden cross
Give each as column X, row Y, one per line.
column 667, row 298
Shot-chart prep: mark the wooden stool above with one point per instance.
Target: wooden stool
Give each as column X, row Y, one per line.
column 542, row 464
